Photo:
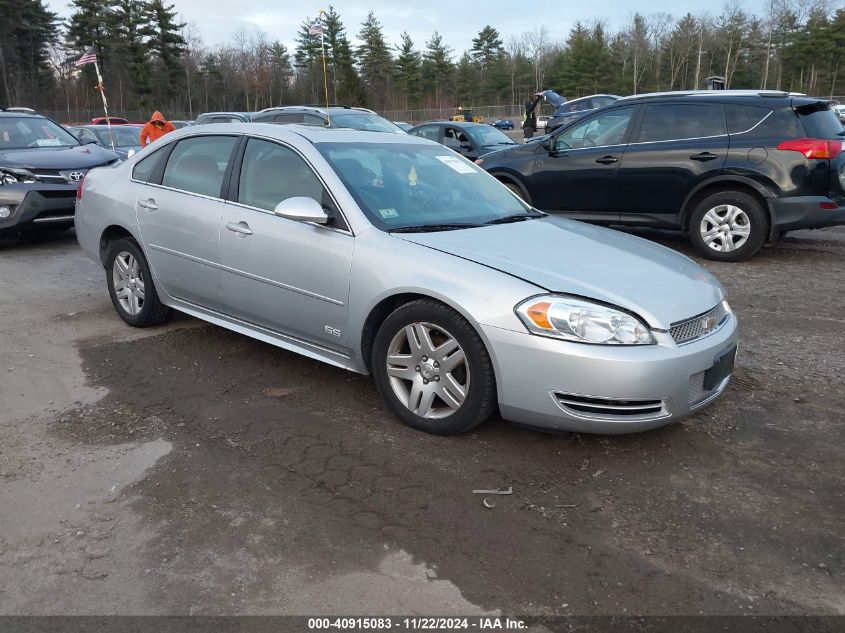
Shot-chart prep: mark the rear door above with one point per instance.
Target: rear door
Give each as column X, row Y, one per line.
column 675, row 146
column 576, row 174
column 178, row 207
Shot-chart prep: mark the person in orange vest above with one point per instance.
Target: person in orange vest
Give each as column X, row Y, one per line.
column 155, row 128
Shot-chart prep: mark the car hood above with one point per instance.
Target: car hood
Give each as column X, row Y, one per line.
column 566, row 256
column 75, row 157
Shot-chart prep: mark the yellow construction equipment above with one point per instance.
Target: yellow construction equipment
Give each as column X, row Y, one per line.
column 465, row 114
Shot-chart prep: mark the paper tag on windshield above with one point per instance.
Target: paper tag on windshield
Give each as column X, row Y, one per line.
column 388, row 213
column 48, row 142
column 456, row 163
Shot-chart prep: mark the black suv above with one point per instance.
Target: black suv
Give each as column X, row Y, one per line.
column 336, row 116
column 733, row 168
column 41, row 166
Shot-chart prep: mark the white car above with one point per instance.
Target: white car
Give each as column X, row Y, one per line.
column 542, row 121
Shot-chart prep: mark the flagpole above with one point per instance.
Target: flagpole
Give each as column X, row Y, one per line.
column 105, row 105
column 325, row 74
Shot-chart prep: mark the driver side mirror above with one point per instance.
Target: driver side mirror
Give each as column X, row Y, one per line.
column 88, row 141
column 302, row 209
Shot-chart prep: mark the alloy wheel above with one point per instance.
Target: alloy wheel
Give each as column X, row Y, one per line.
column 725, row 228
column 428, row 370
column 128, row 283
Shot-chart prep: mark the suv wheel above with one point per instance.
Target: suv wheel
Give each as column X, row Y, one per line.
column 728, row 226
column 131, row 287
column 516, row 189
column 432, row 369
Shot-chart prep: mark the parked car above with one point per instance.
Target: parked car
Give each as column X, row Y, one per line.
column 403, row 125
column 468, row 139
column 41, row 165
column 180, row 124
column 127, row 138
column 224, row 117
column 570, row 111
column 112, row 120
column 839, row 111
column 388, row 254
column 503, row 124
column 542, row 120
column 334, row 116
column 732, row 168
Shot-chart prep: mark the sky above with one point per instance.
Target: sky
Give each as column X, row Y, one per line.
column 216, row 21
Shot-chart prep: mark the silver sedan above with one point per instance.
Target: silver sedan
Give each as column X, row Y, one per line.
column 393, row 256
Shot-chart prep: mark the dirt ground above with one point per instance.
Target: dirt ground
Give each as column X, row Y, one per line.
column 189, row 470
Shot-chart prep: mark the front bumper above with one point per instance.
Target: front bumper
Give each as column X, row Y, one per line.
column 603, row 389
column 37, row 205
column 804, row 212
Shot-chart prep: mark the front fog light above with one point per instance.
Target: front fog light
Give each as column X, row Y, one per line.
column 5, row 212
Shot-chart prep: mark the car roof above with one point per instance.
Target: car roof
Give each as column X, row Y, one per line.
column 8, row 114
column 334, row 109
column 312, row 133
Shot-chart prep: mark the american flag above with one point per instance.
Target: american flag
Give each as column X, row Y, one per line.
column 89, row 57
column 315, row 29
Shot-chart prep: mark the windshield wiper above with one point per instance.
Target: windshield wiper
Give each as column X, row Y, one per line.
column 516, row 217
column 427, row 228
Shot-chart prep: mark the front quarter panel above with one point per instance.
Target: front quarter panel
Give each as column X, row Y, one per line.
column 386, row 265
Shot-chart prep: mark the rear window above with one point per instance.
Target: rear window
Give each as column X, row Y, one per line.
column 820, row 123
column 678, row 121
column 741, row 118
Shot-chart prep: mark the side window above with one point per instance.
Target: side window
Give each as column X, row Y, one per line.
column 672, row 122
column 288, row 117
column 198, row 164
column 600, row 102
column 453, row 138
column 607, row 128
column 427, row 131
column 313, row 119
column 742, row 118
column 265, row 118
column 145, row 167
column 271, row 173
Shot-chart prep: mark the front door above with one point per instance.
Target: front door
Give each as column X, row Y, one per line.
column 456, row 139
column 288, row 276
column 576, row 174
column 179, row 216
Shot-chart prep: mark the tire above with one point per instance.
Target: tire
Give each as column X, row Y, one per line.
column 131, row 286
column 516, row 189
column 417, row 355
column 728, row 226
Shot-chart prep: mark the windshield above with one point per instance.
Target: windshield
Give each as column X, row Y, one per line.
column 28, row 131
column 401, row 185
column 371, row 122
column 123, row 136
column 488, row 135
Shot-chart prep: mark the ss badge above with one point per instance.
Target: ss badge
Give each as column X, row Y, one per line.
column 333, row 331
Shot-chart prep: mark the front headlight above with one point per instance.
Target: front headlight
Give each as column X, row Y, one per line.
column 10, row 177
column 7, row 178
column 573, row 319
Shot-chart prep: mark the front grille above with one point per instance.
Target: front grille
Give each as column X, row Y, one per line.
column 611, row 409
column 699, row 326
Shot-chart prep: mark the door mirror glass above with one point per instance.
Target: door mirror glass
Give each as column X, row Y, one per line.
column 302, row 209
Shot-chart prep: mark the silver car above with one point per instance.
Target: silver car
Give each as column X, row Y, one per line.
column 391, row 255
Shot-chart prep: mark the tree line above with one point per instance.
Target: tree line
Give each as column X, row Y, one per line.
column 150, row 59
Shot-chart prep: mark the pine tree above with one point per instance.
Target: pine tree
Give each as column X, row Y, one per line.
column 344, row 84
column 168, row 47
column 375, row 63
column 406, row 75
column 128, row 25
column 437, row 68
column 27, row 29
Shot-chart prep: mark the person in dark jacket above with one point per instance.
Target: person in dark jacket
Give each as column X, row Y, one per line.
column 529, row 123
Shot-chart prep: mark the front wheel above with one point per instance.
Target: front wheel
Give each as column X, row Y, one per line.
column 432, row 369
column 131, row 286
column 728, row 226
column 515, row 189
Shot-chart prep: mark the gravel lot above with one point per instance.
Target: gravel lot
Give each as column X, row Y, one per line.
column 189, row 470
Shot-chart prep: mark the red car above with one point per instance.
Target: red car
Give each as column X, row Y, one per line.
column 115, row 120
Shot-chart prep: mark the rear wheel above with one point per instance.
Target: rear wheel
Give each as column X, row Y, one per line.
column 728, row 226
column 131, row 286
column 432, row 369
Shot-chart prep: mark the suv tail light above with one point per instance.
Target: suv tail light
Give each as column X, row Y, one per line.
column 79, row 189
column 813, row 147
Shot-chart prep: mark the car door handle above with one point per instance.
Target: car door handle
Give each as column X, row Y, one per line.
column 607, row 160
column 241, row 228
column 704, row 157
column 149, row 204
